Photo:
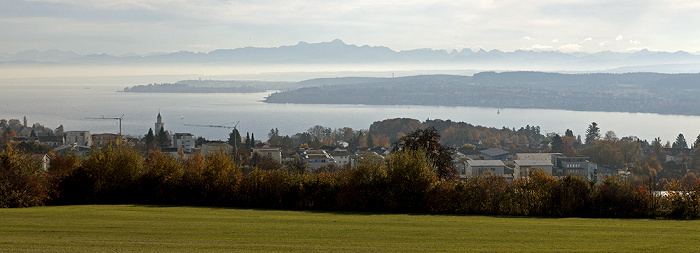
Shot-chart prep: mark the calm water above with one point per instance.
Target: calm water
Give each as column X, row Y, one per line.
column 70, row 105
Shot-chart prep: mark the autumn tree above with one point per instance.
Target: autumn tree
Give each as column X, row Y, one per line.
column 428, row 141
column 568, row 145
column 22, row 181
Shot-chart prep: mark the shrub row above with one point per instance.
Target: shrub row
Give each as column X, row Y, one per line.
column 405, row 182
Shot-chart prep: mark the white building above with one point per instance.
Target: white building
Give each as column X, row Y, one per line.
column 478, row 167
column 535, row 156
column 524, row 167
column 317, row 158
column 183, row 142
column 215, row 146
column 274, row 153
column 81, row 138
column 343, row 158
column 573, row 165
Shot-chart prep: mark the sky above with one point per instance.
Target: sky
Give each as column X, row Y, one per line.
column 121, row 27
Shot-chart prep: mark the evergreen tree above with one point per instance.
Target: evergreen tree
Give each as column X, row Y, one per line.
column 247, row 140
column 163, row 140
column 569, row 133
column 234, row 138
column 273, row 133
column 557, row 144
column 680, row 142
column 592, row 133
column 252, row 140
column 370, row 142
column 150, row 138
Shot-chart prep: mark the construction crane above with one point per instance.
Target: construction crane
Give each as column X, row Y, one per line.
column 195, row 125
column 221, row 126
column 117, row 118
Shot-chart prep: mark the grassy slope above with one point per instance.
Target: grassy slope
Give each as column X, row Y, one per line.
column 167, row 229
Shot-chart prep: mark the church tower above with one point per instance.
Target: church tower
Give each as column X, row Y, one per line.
column 159, row 123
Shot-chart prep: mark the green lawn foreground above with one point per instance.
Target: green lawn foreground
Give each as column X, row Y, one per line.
column 120, row 228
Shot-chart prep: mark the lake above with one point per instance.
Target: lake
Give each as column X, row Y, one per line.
column 71, row 104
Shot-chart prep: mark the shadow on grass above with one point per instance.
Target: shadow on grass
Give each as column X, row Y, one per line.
column 372, row 213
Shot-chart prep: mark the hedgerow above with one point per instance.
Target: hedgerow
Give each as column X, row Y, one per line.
column 405, row 182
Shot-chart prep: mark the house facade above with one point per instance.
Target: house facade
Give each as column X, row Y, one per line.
column 316, row 158
column 81, row 138
column 343, row 158
column 478, row 167
column 215, row 146
column 183, row 142
column 104, row 139
column 51, row 141
column 274, row 152
column 573, row 165
column 524, row 167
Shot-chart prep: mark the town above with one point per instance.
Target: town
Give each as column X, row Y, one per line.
column 475, row 151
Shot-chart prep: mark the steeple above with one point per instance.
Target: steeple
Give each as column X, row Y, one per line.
column 159, row 123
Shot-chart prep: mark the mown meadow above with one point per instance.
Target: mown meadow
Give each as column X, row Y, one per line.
column 150, row 228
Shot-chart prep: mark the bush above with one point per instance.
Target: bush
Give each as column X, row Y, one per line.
column 571, row 198
column 60, row 168
column 366, row 187
column 22, row 181
column 161, row 179
column 531, row 196
column 110, row 175
column 684, row 198
column 448, row 196
column 484, row 194
column 271, row 189
column 321, row 190
column 410, row 175
column 620, row 198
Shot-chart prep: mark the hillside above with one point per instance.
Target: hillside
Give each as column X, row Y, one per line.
column 630, row 92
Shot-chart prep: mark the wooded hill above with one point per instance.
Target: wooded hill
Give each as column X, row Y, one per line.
column 630, row 92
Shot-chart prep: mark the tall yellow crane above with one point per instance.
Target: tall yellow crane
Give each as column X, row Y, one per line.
column 117, row 118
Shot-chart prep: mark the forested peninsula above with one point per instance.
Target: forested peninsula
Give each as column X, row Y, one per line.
column 629, row 92
column 208, row 86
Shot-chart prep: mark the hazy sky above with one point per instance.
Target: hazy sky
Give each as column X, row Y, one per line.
column 143, row 26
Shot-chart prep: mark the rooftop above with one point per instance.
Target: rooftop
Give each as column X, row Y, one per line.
column 474, row 163
column 494, row 152
column 533, row 162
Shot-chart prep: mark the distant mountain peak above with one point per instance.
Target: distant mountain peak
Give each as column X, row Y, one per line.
column 338, row 41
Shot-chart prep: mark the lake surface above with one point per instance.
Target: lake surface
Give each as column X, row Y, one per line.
column 70, row 104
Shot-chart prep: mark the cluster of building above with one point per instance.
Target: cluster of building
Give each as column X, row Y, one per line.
column 513, row 166
column 493, row 161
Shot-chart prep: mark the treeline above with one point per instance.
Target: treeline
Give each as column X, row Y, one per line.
column 404, row 182
column 387, row 132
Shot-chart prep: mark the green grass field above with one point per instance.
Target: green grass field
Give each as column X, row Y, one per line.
column 98, row 228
